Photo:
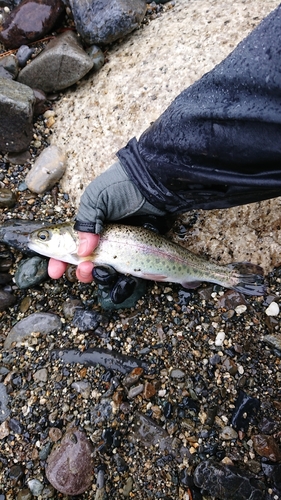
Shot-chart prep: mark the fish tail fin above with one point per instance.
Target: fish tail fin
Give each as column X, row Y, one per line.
column 250, row 279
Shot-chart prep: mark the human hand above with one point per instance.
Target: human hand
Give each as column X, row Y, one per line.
column 87, row 243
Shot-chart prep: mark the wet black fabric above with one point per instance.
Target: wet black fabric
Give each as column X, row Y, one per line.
column 219, row 143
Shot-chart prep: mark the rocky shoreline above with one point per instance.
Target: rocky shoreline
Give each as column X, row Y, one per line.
column 197, row 415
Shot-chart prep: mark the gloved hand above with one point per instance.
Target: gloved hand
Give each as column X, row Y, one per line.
column 111, row 197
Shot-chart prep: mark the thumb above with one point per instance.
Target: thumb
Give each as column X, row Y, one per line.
column 87, row 243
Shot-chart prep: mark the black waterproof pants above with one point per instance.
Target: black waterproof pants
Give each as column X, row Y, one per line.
column 219, row 143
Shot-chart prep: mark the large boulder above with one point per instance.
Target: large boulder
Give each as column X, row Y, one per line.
column 61, row 64
column 30, row 21
column 16, row 115
column 100, row 22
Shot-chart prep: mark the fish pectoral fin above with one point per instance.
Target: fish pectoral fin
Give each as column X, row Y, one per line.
column 191, row 284
column 153, row 277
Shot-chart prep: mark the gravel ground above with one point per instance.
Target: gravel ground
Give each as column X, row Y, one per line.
column 190, row 389
column 202, row 349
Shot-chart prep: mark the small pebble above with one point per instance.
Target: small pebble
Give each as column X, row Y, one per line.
column 219, row 340
column 228, row 433
column 272, row 309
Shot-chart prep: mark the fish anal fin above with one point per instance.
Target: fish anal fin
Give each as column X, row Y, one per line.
column 191, row 284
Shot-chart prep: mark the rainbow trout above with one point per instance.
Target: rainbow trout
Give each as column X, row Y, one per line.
column 145, row 254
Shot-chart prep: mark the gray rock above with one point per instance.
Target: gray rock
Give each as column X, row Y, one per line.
column 61, row 64
column 16, row 115
column 10, row 64
column 70, row 464
column 35, row 487
column 4, row 410
column 31, row 272
column 37, row 322
column 148, row 433
column 99, row 22
column 48, row 168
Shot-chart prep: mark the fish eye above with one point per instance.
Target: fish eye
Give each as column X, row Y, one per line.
column 43, row 234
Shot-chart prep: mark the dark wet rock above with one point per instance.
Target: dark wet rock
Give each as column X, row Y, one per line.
column 48, row 168
column 7, row 3
column 41, row 104
column 30, row 21
column 24, row 54
column 10, row 63
column 266, row 446
column 5, row 278
column 6, row 300
column 16, row 472
column 70, row 464
column 31, row 272
column 4, row 410
column 273, row 472
column 97, row 56
column 99, row 22
column 19, row 158
column 61, row 64
column 16, row 111
column 246, row 409
column 43, row 323
column 110, row 359
column 6, row 261
column 268, row 426
column 8, row 199
column 227, row 482
column 86, row 320
column 15, row 426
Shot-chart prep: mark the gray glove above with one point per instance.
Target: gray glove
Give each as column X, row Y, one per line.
column 111, row 196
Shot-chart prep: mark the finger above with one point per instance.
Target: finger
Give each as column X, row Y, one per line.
column 87, row 243
column 56, row 268
column 84, row 272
